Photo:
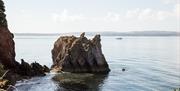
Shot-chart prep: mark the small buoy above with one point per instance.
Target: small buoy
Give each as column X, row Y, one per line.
column 123, row 69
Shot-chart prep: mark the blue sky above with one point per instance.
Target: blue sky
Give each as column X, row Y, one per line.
column 57, row 16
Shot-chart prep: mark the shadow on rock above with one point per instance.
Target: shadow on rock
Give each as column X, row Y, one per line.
column 79, row 81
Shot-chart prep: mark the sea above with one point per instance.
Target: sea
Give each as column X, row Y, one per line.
column 150, row 63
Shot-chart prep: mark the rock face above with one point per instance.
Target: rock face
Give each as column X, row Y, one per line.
column 79, row 54
column 16, row 70
column 7, row 47
column 7, row 53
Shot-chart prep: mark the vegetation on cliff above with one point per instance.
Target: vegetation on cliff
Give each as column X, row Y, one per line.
column 3, row 21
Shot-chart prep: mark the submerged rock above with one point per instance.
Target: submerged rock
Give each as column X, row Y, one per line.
column 79, row 81
column 79, row 54
column 177, row 89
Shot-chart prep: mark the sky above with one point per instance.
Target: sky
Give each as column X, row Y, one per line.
column 61, row 16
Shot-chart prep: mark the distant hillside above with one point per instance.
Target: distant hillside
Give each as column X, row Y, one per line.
column 137, row 33
column 134, row 33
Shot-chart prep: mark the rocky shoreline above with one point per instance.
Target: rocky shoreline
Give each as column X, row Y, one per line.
column 11, row 70
column 70, row 54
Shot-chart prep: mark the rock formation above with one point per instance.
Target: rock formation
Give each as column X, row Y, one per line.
column 14, row 69
column 34, row 69
column 79, row 54
column 7, row 53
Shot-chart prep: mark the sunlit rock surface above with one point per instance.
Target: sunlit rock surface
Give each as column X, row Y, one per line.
column 79, row 54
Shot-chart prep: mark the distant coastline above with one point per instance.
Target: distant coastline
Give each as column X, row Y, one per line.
column 134, row 33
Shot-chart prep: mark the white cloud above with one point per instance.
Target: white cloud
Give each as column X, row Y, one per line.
column 162, row 15
column 132, row 20
column 177, row 10
column 140, row 14
column 132, row 13
column 65, row 16
column 146, row 14
column 66, row 21
column 150, row 14
column 170, row 1
column 112, row 16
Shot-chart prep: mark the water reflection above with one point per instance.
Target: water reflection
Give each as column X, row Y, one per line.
column 79, row 81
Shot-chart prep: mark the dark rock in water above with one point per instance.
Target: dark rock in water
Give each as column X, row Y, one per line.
column 79, row 81
column 79, row 54
column 35, row 69
column 123, row 69
column 46, row 69
column 25, row 71
column 38, row 70
column 25, row 68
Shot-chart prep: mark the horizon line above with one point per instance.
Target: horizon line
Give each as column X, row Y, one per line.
column 89, row 32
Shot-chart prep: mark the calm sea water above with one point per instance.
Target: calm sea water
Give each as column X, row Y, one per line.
column 151, row 63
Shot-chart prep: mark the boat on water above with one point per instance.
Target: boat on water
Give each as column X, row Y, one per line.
column 119, row 38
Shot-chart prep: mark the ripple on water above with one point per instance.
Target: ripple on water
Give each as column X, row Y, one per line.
column 151, row 63
column 141, row 77
column 37, row 84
